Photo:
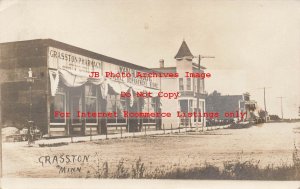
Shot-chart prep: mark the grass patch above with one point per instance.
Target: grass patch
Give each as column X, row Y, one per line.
column 237, row 170
column 230, row 171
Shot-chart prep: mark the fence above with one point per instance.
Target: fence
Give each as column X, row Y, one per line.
column 122, row 132
column 125, row 134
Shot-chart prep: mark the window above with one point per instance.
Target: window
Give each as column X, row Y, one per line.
column 201, row 86
column 116, row 104
column 198, row 110
column 190, row 105
column 200, row 83
column 181, row 84
column 91, row 103
column 195, row 117
column 201, row 107
column 188, row 84
column 58, row 104
column 195, row 85
column 150, row 107
column 76, row 105
column 199, row 118
column 184, row 107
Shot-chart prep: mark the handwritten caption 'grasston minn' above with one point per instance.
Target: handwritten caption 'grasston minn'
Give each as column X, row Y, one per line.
column 65, row 163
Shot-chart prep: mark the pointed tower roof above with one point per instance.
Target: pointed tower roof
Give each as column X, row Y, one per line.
column 183, row 51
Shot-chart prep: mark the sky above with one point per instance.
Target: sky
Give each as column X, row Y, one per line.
column 255, row 43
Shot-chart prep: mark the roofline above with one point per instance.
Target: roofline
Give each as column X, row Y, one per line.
column 184, row 51
column 226, row 95
column 84, row 52
column 29, row 40
column 173, row 67
column 195, row 64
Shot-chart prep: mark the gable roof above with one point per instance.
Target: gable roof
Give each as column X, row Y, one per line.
column 183, row 51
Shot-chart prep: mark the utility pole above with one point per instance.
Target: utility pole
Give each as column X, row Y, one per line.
column 265, row 103
column 198, row 88
column 281, row 106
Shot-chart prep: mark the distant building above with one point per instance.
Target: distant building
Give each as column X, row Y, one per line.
column 192, row 93
column 215, row 102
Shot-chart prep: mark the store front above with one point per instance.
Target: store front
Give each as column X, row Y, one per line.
column 84, row 105
column 71, row 94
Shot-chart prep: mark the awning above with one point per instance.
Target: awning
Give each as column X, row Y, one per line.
column 138, row 88
column 74, row 79
column 153, row 91
column 70, row 79
column 117, row 86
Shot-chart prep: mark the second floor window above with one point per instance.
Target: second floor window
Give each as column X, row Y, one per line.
column 188, row 84
column 201, row 86
column 181, row 84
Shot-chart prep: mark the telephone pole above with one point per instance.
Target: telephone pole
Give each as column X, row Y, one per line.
column 198, row 87
column 281, row 106
column 265, row 103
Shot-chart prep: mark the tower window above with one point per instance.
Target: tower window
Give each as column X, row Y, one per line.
column 181, row 84
column 188, row 84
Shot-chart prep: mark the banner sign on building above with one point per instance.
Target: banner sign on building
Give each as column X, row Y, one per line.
column 74, row 63
column 130, row 76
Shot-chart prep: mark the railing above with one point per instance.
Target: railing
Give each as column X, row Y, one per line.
column 174, row 129
column 192, row 94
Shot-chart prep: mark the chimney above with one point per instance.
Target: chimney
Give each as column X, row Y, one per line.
column 161, row 63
